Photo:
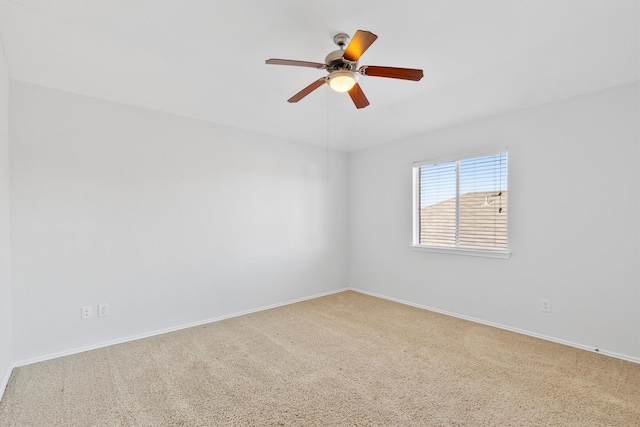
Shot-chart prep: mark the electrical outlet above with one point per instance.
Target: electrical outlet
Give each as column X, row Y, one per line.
column 103, row 310
column 545, row 305
column 87, row 312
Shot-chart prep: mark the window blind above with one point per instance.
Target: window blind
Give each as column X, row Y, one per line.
column 464, row 203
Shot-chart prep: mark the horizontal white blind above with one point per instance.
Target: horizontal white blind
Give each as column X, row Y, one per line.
column 464, row 203
column 483, row 202
column 438, row 204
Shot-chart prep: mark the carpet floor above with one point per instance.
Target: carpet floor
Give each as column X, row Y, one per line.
column 343, row 360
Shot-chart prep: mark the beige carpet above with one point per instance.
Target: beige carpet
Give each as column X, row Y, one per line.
column 342, row 360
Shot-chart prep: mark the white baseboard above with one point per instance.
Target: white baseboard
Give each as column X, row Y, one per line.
column 166, row 330
column 217, row 319
column 500, row 326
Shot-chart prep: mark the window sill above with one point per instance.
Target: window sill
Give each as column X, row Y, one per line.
column 487, row 253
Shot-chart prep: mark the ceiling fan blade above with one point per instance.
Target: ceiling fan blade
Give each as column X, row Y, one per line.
column 275, row 61
column 357, row 96
column 358, row 45
column 392, row 72
column 307, row 90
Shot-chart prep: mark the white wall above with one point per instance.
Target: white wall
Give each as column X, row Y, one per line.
column 6, row 348
column 169, row 220
column 573, row 223
column 173, row 221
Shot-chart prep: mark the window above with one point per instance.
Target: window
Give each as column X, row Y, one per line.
column 461, row 206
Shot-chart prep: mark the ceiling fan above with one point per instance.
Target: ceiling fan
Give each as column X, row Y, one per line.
column 342, row 66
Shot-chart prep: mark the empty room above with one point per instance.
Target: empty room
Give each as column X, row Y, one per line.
column 336, row 213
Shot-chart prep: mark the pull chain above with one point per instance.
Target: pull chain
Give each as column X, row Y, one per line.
column 328, row 93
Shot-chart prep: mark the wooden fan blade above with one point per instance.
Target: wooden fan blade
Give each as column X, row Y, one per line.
column 275, row 61
column 307, row 90
column 359, row 44
column 357, row 96
column 392, row 72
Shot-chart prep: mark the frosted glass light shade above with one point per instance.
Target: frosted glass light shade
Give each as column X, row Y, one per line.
column 342, row 81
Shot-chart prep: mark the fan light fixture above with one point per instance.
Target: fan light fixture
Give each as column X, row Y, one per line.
column 342, row 80
column 342, row 66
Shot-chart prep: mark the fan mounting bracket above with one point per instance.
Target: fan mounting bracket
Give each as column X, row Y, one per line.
column 341, row 39
column 335, row 61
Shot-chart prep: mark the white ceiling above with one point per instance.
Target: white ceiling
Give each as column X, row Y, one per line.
column 205, row 58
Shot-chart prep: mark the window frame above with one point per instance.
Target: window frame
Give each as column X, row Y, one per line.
column 504, row 253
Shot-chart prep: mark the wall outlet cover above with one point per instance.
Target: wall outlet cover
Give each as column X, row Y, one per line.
column 103, row 310
column 545, row 305
column 87, row 312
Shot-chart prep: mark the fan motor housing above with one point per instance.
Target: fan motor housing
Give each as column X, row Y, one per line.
column 335, row 61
